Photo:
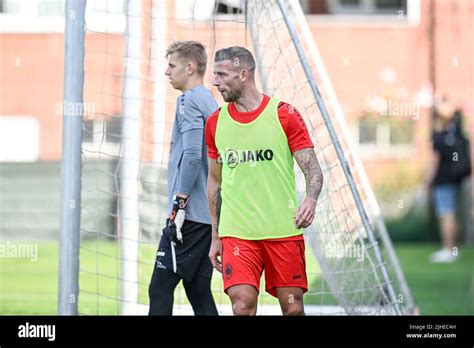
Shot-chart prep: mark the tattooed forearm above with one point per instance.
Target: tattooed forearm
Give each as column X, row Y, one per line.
column 214, row 193
column 217, row 204
column 309, row 164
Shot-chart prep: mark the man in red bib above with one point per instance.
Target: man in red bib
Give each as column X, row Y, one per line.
column 256, row 218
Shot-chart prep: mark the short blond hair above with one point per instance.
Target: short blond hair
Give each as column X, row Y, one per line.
column 192, row 50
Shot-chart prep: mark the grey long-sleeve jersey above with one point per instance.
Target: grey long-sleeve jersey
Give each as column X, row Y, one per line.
column 188, row 166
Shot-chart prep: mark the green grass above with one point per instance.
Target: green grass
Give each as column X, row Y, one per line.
column 30, row 287
column 27, row 286
column 439, row 288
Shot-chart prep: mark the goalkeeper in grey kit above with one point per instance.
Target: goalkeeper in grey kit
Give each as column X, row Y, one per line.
column 184, row 246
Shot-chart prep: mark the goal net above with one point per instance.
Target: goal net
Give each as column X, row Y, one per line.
column 127, row 122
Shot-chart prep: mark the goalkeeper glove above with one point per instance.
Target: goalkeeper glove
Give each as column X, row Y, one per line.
column 176, row 220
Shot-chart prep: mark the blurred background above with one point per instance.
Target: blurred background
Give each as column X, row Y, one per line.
column 388, row 61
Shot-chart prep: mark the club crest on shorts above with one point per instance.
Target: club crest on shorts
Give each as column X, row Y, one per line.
column 228, row 271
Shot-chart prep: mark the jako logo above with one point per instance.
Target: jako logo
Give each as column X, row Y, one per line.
column 32, row 331
column 234, row 157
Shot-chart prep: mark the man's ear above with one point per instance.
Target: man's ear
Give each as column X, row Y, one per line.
column 191, row 68
column 244, row 75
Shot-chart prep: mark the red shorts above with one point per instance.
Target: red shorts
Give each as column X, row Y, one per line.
column 283, row 259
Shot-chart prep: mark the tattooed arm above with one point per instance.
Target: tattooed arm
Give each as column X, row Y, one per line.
column 215, row 200
column 307, row 161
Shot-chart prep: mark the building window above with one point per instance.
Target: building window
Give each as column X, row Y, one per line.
column 389, row 136
column 355, row 7
column 102, row 136
column 402, row 132
column 108, row 6
column 44, row 8
column 228, row 7
column 391, row 5
column 32, row 16
column 19, row 139
column 113, row 130
column 106, row 16
column 206, row 9
column 88, row 131
column 50, row 8
column 47, row 16
column 10, row 6
column 367, row 131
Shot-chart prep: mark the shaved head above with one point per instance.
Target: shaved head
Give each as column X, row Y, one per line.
column 240, row 57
